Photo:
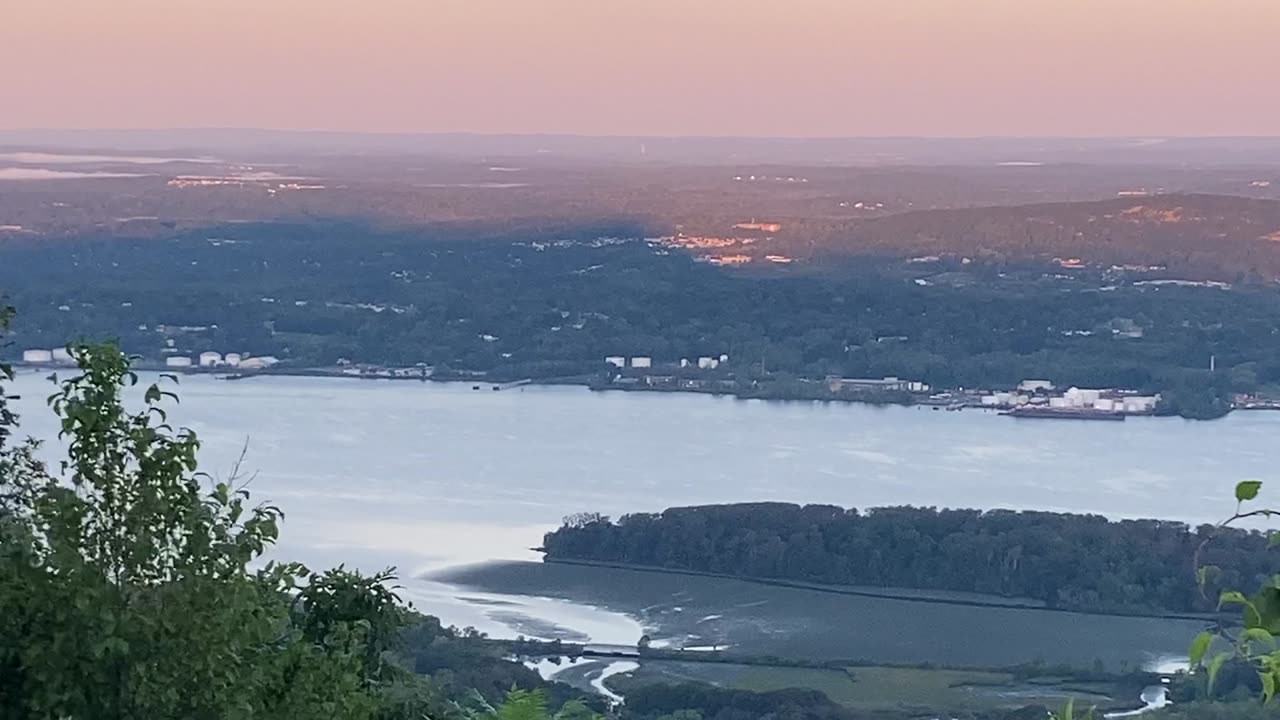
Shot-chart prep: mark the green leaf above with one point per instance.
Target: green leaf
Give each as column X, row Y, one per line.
column 1214, row 666
column 1273, row 539
column 1258, row 634
column 1265, row 610
column 1268, row 686
column 1232, row 597
column 1247, row 489
column 1199, row 647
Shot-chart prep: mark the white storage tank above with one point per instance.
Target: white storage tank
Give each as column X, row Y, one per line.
column 37, row 356
column 232, row 359
column 1057, row 402
column 210, row 359
column 1105, row 404
column 1139, row 404
column 707, row 363
column 177, row 361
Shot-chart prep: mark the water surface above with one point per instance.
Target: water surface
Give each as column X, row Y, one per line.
column 429, row 476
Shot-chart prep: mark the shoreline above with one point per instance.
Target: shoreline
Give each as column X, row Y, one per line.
column 588, row 381
column 921, row 595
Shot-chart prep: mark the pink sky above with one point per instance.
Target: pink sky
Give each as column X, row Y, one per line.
column 651, row 67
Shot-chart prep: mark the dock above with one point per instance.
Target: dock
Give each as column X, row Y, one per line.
column 513, row 384
column 1047, row 413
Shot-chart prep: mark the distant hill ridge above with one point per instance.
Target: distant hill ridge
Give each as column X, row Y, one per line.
column 1204, row 235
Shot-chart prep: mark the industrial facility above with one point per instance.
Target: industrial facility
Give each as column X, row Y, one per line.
column 1074, row 398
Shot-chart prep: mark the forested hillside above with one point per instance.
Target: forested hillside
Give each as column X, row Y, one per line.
column 558, row 299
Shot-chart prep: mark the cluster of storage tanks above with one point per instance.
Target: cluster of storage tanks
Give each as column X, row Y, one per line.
column 56, row 356
column 210, row 359
column 1078, row 399
column 1094, row 399
column 643, row 361
column 636, row 362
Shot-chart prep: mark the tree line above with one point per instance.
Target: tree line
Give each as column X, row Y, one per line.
column 1066, row 561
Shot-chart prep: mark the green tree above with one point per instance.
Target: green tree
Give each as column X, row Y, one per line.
column 1252, row 642
column 130, row 589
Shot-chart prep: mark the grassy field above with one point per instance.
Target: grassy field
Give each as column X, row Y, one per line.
column 874, row 688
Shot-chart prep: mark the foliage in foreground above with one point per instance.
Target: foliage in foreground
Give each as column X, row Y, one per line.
column 1249, row 643
column 130, row 590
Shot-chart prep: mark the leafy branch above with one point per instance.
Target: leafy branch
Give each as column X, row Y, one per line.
column 1254, row 640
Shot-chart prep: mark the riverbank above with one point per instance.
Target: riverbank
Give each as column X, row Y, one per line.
column 795, row 391
column 911, row 595
column 735, row 617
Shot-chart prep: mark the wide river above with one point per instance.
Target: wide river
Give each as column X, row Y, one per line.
column 435, row 477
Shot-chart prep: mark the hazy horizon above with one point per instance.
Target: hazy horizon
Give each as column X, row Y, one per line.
column 716, row 68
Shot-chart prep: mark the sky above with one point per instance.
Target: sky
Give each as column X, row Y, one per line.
column 795, row 68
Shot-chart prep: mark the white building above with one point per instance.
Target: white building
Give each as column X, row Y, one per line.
column 62, row 355
column 616, row 361
column 37, row 356
column 707, row 363
column 259, row 363
column 177, row 361
column 641, row 362
column 1032, row 386
column 210, row 359
column 232, row 359
column 684, row 362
